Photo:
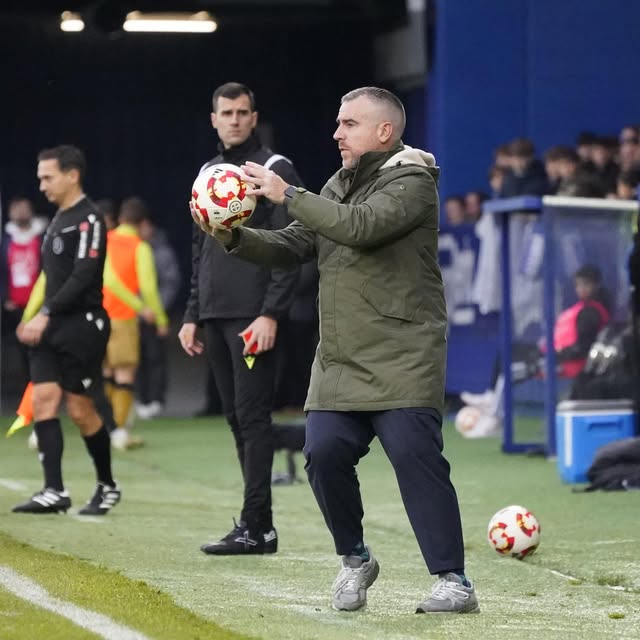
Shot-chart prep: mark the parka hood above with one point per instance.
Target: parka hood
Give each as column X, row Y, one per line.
column 409, row 155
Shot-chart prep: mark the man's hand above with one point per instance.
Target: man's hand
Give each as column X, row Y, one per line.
column 223, row 236
column 187, row 337
column 31, row 332
column 263, row 334
column 267, row 183
column 148, row 316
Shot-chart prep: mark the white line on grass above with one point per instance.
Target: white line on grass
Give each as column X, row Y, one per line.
column 97, row 623
column 613, row 587
column 14, row 485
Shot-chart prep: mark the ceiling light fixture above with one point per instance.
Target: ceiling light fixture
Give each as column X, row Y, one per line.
column 70, row 21
column 175, row 22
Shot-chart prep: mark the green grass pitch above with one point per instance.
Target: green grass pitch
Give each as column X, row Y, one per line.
column 142, row 567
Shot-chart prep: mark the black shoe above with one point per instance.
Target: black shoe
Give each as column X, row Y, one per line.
column 102, row 500
column 46, row 501
column 270, row 541
column 239, row 541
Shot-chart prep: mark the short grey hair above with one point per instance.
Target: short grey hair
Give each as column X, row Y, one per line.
column 386, row 99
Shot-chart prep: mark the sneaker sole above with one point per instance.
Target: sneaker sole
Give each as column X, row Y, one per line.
column 459, row 611
column 227, row 552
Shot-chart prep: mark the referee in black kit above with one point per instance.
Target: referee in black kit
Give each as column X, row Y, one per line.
column 68, row 335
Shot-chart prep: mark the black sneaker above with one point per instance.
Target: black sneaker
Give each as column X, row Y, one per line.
column 239, row 541
column 46, row 501
column 271, row 541
column 102, row 500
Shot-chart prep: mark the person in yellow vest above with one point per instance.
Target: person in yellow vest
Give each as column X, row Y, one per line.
column 130, row 263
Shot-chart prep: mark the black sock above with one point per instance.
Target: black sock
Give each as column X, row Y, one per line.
column 50, row 445
column 104, row 408
column 458, row 572
column 99, row 448
column 361, row 550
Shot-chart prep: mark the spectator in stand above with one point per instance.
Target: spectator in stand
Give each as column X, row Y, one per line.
column 568, row 178
column 629, row 152
column 584, row 149
column 454, row 211
column 527, row 175
column 496, row 180
column 473, row 205
column 605, row 149
column 502, row 157
column 627, row 185
column 19, row 267
column 151, row 378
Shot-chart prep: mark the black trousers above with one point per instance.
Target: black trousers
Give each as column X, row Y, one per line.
column 412, row 440
column 247, row 397
column 151, row 377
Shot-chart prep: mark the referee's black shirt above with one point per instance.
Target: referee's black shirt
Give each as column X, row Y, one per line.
column 73, row 255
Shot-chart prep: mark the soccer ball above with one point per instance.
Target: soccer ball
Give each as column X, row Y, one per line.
column 514, row 531
column 219, row 199
column 467, row 418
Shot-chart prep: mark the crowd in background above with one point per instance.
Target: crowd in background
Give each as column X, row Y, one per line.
column 595, row 167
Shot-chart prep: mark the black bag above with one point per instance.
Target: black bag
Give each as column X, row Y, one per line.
column 616, row 466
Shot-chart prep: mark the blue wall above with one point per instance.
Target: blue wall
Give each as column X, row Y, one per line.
column 544, row 69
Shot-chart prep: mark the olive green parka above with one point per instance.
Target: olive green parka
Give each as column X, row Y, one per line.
column 374, row 230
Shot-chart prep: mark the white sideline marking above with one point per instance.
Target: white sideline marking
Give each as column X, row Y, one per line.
column 97, row 623
column 14, row 485
column 613, row 587
column 563, row 575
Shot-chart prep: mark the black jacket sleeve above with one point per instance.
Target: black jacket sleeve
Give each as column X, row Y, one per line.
column 192, row 311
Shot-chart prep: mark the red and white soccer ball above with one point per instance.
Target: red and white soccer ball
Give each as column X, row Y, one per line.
column 514, row 531
column 219, row 199
column 467, row 418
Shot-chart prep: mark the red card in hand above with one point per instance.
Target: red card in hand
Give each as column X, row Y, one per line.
column 246, row 336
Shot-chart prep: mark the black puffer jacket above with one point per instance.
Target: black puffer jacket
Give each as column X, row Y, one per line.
column 224, row 286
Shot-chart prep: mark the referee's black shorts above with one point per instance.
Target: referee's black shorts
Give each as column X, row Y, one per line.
column 71, row 351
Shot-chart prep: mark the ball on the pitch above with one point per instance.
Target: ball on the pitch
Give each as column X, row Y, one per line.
column 219, row 199
column 514, row 531
column 467, row 418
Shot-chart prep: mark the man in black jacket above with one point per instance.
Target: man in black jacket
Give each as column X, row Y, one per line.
column 230, row 297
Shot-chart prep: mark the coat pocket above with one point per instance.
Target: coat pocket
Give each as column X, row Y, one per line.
column 396, row 305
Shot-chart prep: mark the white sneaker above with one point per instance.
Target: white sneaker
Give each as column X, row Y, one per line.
column 120, row 439
column 487, row 426
column 154, row 409
column 449, row 595
column 351, row 584
column 142, row 411
column 483, row 401
column 149, row 411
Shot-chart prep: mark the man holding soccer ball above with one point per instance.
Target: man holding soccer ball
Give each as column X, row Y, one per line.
column 380, row 365
column 230, row 298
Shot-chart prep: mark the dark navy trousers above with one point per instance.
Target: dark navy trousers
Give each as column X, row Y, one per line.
column 412, row 440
